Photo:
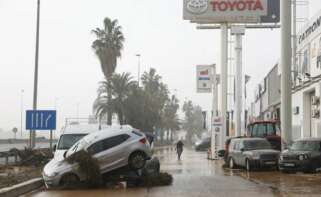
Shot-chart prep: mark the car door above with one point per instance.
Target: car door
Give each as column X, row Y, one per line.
column 110, row 152
column 241, row 156
column 236, row 152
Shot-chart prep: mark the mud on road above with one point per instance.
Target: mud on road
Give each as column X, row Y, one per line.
column 283, row 184
column 11, row 175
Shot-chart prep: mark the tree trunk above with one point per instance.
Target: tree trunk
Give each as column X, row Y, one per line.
column 120, row 118
column 162, row 135
column 109, row 97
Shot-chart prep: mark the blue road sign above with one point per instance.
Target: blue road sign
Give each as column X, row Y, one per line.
column 41, row 120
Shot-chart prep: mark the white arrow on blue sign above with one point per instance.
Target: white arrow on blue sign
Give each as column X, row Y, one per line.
column 41, row 120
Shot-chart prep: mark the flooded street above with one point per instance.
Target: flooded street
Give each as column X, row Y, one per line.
column 197, row 176
column 193, row 176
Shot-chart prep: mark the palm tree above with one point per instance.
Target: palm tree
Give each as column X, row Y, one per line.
column 120, row 87
column 108, row 46
column 170, row 118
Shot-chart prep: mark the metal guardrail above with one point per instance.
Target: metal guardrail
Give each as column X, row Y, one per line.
column 6, row 155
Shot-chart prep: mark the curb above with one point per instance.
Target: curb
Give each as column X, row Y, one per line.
column 21, row 188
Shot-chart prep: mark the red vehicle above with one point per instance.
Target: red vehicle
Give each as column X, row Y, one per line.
column 266, row 129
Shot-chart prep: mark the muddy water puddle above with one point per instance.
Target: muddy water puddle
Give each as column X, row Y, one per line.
column 283, row 184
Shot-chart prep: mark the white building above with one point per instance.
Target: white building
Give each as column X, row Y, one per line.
column 306, row 92
column 307, row 85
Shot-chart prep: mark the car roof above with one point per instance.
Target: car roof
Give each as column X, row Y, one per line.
column 107, row 132
column 263, row 122
column 87, row 128
column 310, row 139
column 250, row 139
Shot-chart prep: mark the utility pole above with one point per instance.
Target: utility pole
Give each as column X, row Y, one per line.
column 35, row 89
column 238, row 31
column 294, row 37
column 214, row 145
column 224, row 53
column 286, row 95
column 21, row 113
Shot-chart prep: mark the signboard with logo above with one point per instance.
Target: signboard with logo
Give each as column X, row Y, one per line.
column 309, row 49
column 204, row 79
column 232, row 11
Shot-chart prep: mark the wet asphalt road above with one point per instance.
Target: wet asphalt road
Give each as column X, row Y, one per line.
column 195, row 176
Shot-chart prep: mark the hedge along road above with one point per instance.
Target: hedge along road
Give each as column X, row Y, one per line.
column 193, row 176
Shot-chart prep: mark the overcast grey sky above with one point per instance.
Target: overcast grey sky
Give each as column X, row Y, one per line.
column 69, row 72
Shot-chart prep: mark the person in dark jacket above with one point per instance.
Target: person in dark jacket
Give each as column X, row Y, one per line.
column 179, row 149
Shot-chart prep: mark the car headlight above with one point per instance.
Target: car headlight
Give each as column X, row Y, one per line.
column 52, row 174
column 254, row 156
column 303, row 157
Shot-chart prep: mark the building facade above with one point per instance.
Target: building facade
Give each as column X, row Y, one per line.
column 306, row 89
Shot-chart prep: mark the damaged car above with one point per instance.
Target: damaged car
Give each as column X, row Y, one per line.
column 113, row 148
column 303, row 155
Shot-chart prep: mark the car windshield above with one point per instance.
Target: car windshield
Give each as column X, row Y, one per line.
column 67, row 140
column 256, row 145
column 305, row 146
column 263, row 129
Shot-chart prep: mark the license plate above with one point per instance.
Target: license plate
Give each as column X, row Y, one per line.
column 270, row 162
column 289, row 164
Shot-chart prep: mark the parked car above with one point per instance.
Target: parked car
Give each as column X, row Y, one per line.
column 252, row 153
column 203, row 145
column 303, row 155
column 266, row 129
column 113, row 147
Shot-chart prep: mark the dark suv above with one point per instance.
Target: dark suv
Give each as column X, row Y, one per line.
column 303, row 155
column 252, row 153
column 203, row 145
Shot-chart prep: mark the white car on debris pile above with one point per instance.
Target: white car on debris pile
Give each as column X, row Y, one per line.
column 113, row 147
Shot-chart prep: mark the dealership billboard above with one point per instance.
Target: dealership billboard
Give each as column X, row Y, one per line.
column 204, row 78
column 232, row 11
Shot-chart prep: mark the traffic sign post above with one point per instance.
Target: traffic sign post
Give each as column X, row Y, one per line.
column 41, row 120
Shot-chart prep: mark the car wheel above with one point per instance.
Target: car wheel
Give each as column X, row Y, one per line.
column 69, row 181
column 231, row 163
column 137, row 161
column 248, row 165
column 313, row 168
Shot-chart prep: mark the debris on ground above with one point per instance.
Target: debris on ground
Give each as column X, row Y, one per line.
column 148, row 177
column 33, row 157
column 87, row 165
column 11, row 175
column 162, row 179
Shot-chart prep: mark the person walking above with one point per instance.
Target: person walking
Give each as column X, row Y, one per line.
column 179, row 149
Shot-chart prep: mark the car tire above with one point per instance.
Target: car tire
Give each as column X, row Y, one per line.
column 313, row 168
column 248, row 166
column 137, row 161
column 69, row 181
column 231, row 163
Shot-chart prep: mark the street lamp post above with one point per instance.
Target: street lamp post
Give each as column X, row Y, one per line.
column 21, row 112
column 35, row 90
column 138, row 74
